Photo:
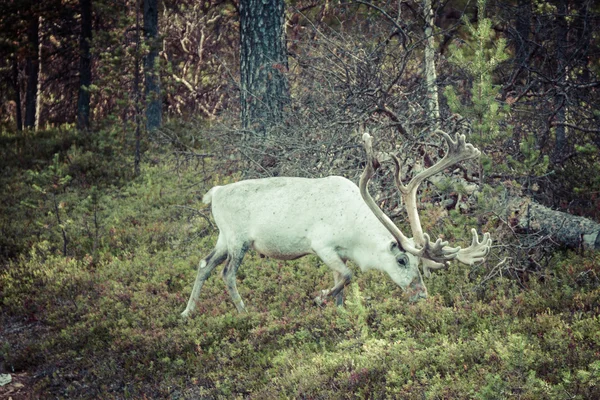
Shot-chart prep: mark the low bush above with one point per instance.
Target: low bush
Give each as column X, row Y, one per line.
column 102, row 320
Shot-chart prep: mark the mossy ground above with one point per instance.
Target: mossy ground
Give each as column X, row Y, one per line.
column 103, row 320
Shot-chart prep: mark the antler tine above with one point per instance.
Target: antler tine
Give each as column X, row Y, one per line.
column 397, row 178
column 429, row 265
column 458, row 150
column 477, row 251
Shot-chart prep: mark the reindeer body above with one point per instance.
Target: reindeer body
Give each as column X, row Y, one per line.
column 287, row 218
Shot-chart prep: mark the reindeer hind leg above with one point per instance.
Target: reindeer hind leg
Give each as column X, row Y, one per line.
column 235, row 259
column 207, row 265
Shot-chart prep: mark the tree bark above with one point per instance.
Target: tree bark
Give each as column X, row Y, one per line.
column 263, row 64
column 152, row 77
column 85, row 66
column 560, row 99
column 137, row 157
column 433, row 109
column 38, row 91
column 566, row 229
column 17, row 89
column 32, row 69
column 521, row 37
column 521, row 40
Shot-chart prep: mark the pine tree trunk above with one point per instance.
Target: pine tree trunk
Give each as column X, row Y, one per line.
column 17, row 89
column 522, row 27
column 566, row 229
column 31, row 69
column 85, row 66
column 38, row 91
column 263, row 64
column 137, row 157
column 152, row 77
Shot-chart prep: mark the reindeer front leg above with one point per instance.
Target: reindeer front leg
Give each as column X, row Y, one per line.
column 341, row 276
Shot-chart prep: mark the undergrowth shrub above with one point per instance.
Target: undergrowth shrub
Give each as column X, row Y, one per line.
column 103, row 321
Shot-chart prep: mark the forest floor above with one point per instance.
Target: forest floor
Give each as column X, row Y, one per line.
column 103, row 320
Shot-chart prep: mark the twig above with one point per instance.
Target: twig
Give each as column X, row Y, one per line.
column 197, row 212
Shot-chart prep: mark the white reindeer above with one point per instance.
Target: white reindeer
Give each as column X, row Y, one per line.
column 287, row 218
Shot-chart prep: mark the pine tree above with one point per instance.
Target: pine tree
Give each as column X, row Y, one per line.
column 479, row 57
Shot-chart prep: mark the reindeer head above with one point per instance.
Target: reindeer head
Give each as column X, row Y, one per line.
column 420, row 249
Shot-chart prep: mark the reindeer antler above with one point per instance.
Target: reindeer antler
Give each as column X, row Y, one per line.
column 370, row 167
column 477, row 251
column 438, row 252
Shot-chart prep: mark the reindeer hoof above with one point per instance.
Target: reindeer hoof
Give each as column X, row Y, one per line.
column 321, row 300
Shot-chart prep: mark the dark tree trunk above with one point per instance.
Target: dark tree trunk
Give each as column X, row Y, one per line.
column 152, row 76
column 263, row 64
column 85, row 66
column 560, row 98
column 32, row 69
column 17, row 89
column 522, row 28
column 137, row 158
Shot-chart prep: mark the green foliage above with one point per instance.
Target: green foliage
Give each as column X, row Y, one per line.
column 104, row 322
column 488, row 117
column 479, row 58
column 585, row 189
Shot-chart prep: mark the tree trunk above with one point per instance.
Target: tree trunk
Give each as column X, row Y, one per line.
column 523, row 27
column 566, row 229
column 152, row 77
column 32, row 69
column 137, row 158
column 433, row 109
column 17, row 89
column 263, row 64
column 38, row 91
column 85, row 66
column 520, row 37
column 560, row 98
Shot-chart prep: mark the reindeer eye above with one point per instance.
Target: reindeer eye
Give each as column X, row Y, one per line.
column 402, row 261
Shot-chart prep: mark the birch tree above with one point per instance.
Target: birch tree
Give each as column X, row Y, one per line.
column 433, row 108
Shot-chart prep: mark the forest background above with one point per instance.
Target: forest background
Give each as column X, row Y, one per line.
column 117, row 116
